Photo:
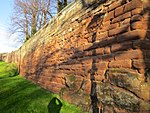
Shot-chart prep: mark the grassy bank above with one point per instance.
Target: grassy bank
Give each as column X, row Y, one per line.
column 17, row 95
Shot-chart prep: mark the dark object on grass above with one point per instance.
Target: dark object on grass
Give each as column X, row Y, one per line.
column 55, row 105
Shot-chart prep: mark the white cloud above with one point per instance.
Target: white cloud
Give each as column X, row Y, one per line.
column 8, row 42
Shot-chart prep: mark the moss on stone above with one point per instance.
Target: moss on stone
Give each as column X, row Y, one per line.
column 72, row 78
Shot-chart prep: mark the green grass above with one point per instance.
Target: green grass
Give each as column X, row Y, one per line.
column 17, row 95
column 7, row 70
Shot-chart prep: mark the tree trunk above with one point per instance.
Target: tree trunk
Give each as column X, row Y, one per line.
column 33, row 26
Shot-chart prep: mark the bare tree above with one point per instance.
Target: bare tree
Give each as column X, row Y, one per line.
column 44, row 14
column 30, row 15
column 20, row 18
column 33, row 9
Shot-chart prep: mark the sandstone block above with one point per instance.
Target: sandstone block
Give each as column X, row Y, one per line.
column 90, row 53
column 132, row 35
column 90, row 39
column 132, row 5
column 137, row 25
column 102, row 35
column 121, row 46
column 119, row 11
column 121, row 17
column 99, row 75
column 125, row 22
column 105, row 26
column 109, row 16
column 107, row 50
column 86, row 86
column 91, row 46
column 87, row 46
column 146, row 25
column 75, row 66
column 118, row 30
column 141, row 64
column 79, row 55
column 145, row 90
column 146, row 4
column 142, row 44
column 120, row 64
column 129, row 80
column 133, row 54
column 55, row 87
column 87, row 60
column 146, row 16
column 136, row 11
column 107, row 41
column 114, row 5
column 58, row 80
column 102, row 42
column 65, row 67
column 142, row 71
column 112, row 26
column 107, row 57
column 87, row 68
column 136, row 18
column 100, row 51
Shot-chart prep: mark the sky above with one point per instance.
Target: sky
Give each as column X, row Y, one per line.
column 8, row 42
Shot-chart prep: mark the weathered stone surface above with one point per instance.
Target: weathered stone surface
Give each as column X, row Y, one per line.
column 136, row 11
column 139, row 25
column 109, row 15
column 121, row 46
column 119, row 11
column 115, row 5
column 114, row 96
column 100, row 51
column 132, row 5
column 130, row 81
column 136, row 18
column 107, row 50
column 118, row 30
column 142, row 44
column 102, row 35
column 105, row 26
column 122, row 17
column 107, row 57
column 112, row 26
column 120, row 64
column 100, row 66
column 146, row 4
column 132, row 35
column 141, row 64
column 125, row 22
column 132, row 54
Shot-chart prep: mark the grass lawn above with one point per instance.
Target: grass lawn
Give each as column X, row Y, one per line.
column 17, row 95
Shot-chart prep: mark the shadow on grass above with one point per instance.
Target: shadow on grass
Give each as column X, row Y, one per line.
column 17, row 95
column 20, row 96
column 55, row 105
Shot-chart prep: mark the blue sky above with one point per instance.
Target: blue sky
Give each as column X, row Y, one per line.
column 8, row 42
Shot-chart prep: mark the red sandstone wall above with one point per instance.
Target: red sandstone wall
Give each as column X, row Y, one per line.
column 98, row 58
